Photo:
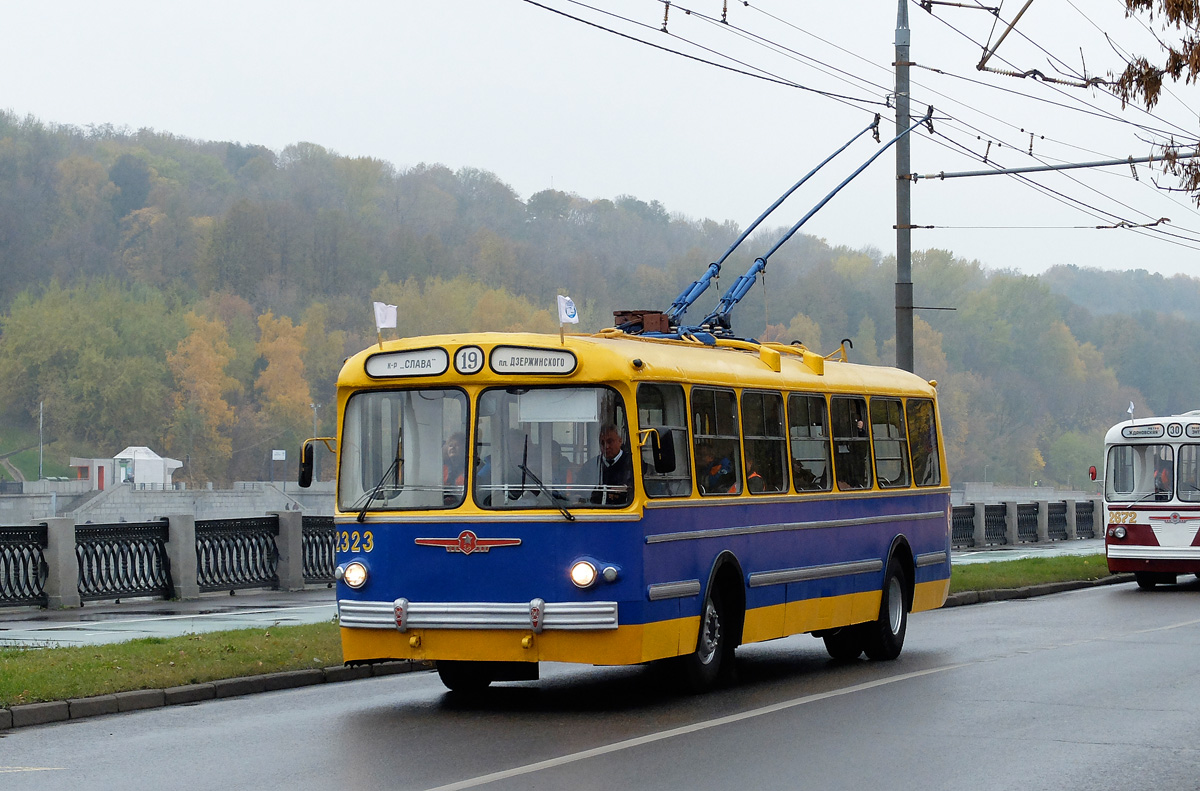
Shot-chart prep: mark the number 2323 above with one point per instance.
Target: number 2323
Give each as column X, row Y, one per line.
column 354, row 542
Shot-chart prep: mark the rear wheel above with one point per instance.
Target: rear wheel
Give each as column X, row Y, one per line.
column 884, row 637
column 702, row 667
column 464, row 677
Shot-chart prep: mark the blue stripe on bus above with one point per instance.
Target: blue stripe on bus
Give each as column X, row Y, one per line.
column 537, row 568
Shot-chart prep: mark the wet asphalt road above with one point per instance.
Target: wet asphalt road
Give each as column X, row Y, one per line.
column 1093, row 689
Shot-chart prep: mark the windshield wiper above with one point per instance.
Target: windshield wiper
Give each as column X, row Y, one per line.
column 554, row 496
column 375, row 492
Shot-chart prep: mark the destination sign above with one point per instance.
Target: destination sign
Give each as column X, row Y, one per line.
column 1150, row 431
column 1193, row 430
column 418, row 362
column 523, row 360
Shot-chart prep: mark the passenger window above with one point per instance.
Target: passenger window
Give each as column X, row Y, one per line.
column 716, row 443
column 808, row 433
column 1189, row 473
column 766, row 446
column 851, row 445
column 890, row 442
column 922, row 435
column 662, row 413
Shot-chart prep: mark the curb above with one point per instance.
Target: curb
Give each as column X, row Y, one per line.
column 1005, row 594
column 80, row 708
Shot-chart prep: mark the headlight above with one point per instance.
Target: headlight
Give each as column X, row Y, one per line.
column 1118, row 532
column 353, row 574
column 583, row 574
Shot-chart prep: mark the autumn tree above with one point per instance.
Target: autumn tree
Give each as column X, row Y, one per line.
column 202, row 417
column 284, row 398
column 1143, row 78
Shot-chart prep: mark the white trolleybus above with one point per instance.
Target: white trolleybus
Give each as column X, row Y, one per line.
column 1152, row 497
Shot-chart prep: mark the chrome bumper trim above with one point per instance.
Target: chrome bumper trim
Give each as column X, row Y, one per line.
column 478, row 615
column 1153, row 553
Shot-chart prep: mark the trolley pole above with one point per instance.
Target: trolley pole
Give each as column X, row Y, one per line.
column 904, row 286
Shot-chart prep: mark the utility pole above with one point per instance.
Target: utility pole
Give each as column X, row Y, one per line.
column 41, row 407
column 904, row 286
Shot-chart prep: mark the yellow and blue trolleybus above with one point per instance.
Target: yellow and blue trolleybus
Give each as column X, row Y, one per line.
column 654, row 491
column 770, row 492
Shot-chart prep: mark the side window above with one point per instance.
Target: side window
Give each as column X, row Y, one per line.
column 851, row 445
column 890, row 441
column 922, row 438
column 808, row 435
column 1189, row 473
column 766, row 445
column 716, row 443
column 663, row 411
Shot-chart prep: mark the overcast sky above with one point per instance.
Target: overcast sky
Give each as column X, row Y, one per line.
column 542, row 100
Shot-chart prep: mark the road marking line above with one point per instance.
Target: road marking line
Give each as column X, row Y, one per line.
column 684, row 730
column 99, row 624
column 13, row 769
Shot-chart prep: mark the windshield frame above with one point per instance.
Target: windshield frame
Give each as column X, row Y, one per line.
column 373, row 478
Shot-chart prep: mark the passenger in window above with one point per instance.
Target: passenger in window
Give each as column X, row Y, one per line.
column 754, row 481
column 613, row 469
column 715, row 475
column 454, row 462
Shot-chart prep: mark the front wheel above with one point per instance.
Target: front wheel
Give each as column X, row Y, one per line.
column 465, row 677
column 884, row 637
column 1146, row 580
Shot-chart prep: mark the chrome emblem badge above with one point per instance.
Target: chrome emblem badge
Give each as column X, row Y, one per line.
column 467, row 543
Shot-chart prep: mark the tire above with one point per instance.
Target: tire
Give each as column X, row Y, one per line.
column 703, row 667
column 884, row 638
column 1146, row 580
column 844, row 644
column 464, row 677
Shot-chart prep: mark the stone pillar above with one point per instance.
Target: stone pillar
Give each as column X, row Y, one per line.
column 1072, row 533
column 980, row 534
column 62, row 579
column 1099, row 523
column 1011, row 535
column 1043, row 521
column 291, row 550
column 181, row 551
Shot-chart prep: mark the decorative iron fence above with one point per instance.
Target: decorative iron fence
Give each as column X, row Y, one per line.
column 1056, row 521
column 23, row 569
column 1027, row 519
column 994, row 529
column 1086, row 522
column 237, row 553
column 126, row 559
column 320, row 536
column 962, row 532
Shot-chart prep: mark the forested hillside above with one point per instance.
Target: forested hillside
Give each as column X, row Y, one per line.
column 199, row 297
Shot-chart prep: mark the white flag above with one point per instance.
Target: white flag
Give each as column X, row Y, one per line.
column 567, row 314
column 1130, row 410
column 385, row 315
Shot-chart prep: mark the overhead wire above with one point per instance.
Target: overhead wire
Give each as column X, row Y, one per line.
column 827, row 68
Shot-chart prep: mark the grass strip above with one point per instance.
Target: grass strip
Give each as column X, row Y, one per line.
column 31, row 675
column 1006, row 574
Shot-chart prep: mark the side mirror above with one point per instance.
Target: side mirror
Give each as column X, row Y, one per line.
column 1092, row 472
column 304, row 479
column 662, row 447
